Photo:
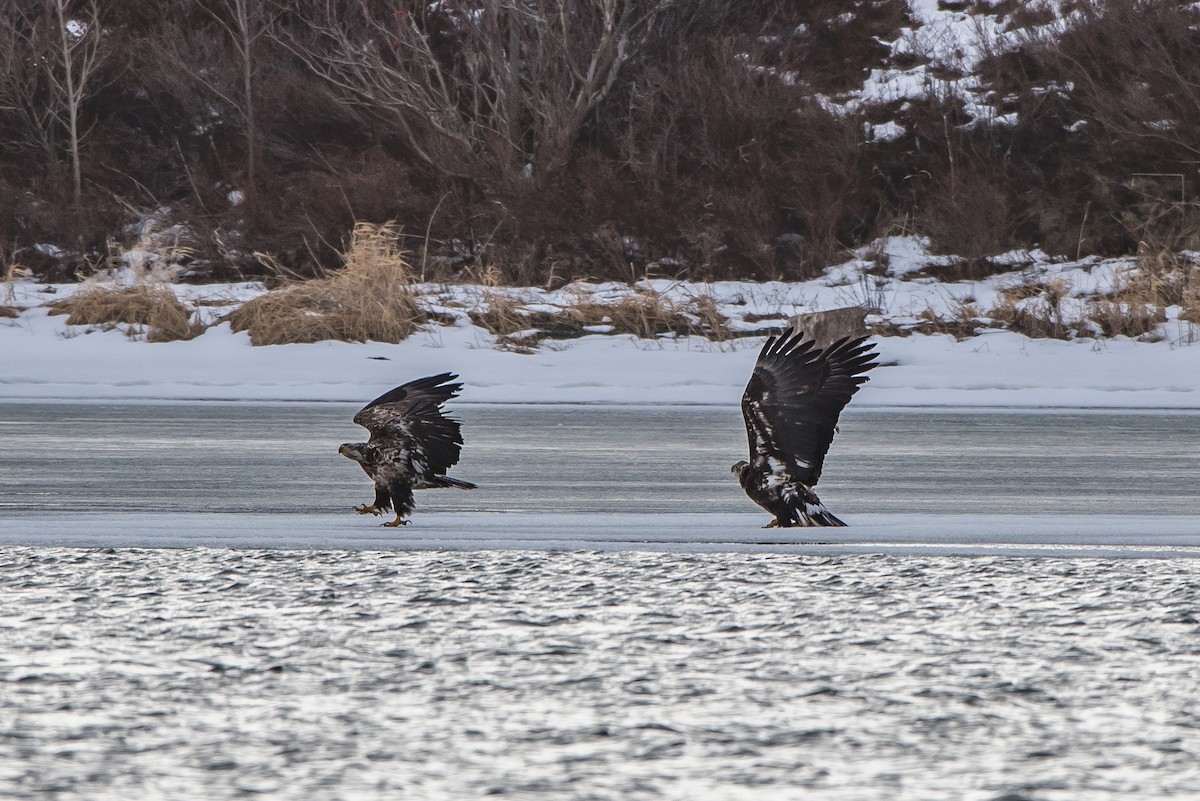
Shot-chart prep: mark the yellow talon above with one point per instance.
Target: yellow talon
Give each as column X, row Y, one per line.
column 395, row 523
column 773, row 524
column 367, row 510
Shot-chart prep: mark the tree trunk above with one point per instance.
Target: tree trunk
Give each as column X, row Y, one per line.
column 72, row 100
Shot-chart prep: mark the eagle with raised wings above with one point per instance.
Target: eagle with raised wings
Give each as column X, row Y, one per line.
column 791, row 407
column 412, row 444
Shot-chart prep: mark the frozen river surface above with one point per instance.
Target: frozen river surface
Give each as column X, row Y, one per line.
column 600, row 478
column 651, row 642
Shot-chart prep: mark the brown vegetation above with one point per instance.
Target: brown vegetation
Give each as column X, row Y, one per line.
column 1129, row 319
column 963, row 324
column 680, row 136
column 150, row 305
column 645, row 314
column 368, row 299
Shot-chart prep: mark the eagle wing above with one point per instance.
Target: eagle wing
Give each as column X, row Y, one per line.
column 793, row 399
column 410, row 418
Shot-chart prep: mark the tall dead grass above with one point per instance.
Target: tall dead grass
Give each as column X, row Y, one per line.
column 152, row 305
column 515, row 328
column 1131, row 319
column 1038, row 311
column 369, row 299
column 1159, row 277
column 1189, row 299
column 1143, row 291
column 10, row 270
column 962, row 323
column 647, row 314
column 1136, row 305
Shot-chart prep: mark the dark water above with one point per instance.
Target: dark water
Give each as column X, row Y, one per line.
column 283, row 458
column 206, row 674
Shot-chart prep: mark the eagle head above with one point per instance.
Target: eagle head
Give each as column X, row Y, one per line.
column 354, row 451
column 739, row 468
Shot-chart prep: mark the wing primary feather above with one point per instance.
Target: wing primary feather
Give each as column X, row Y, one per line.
column 428, row 385
column 794, row 398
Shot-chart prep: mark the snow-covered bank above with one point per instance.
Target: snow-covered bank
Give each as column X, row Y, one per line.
column 42, row 357
column 996, row 369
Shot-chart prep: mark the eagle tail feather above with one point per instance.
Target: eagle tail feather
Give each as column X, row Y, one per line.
column 816, row 515
column 446, row 481
column 805, row 510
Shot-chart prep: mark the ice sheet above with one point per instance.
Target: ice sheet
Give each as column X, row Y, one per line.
column 1015, row 535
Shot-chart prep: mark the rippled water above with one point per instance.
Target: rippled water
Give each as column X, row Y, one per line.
column 210, row 674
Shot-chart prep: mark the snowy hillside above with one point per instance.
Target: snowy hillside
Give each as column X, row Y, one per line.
column 706, row 141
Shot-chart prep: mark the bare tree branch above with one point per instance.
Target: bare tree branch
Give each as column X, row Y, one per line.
column 492, row 85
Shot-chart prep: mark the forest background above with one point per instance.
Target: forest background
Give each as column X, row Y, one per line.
column 542, row 141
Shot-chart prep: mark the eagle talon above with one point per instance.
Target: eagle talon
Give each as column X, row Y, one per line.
column 395, row 523
column 367, row 510
column 773, row 524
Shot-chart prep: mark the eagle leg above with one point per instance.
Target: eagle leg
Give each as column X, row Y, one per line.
column 367, row 510
column 396, row 522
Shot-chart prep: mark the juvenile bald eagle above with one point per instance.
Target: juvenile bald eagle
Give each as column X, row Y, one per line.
column 412, row 444
column 791, row 407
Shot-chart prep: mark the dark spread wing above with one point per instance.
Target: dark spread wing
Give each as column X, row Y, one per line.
column 410, row 417
column 792, row 402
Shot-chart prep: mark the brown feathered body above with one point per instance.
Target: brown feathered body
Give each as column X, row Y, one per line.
column 791, row 407
column 412, row 444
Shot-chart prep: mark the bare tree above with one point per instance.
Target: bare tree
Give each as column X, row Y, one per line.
column 52, row 56
column 1130, row 67
column 506, row 83
column 77, row 56
column 245, row 22
column 26, row 119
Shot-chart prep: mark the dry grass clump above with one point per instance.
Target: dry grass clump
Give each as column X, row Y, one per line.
column 1131, row 319
column 501, row 315
column 647, row 314
column 1190, row 302
column 504, row 318
column 369, row 299
column 10, row 312
column 1038, row 316
column 1032, row 289
column 963, row 324
column 1142, row 292
column 713, row 324
column 1135, row 306
column 1160, row 277
column 1040, row 321
column 152, row 305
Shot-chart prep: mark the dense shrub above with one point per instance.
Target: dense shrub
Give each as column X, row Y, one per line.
column 673, row 138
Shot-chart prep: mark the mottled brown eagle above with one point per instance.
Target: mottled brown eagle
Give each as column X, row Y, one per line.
column 412, row 444
column 791, row 407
